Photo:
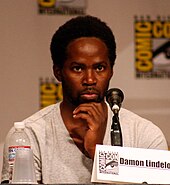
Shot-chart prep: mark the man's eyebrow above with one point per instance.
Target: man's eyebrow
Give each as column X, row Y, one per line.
column 100, row 62
column 78, row 63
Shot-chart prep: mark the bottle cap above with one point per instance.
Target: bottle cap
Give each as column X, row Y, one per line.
column 19, row 125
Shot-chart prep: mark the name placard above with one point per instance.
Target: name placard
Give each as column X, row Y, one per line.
column 131, row 165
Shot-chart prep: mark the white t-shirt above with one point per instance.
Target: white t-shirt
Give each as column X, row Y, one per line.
column 57, row 158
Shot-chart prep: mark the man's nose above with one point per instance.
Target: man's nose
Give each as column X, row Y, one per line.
column 89, row 78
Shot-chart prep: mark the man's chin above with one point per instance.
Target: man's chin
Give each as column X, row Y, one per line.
column 90, row 101
column 82, row 101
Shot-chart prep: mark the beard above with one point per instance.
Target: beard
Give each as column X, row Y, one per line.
column 77, row 99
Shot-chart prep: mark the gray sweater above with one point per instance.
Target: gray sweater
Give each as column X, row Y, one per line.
column 57, row 158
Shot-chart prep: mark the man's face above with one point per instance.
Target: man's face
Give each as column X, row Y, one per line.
column 86, row 72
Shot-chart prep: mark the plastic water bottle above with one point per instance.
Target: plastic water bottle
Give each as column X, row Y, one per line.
column 18, row 141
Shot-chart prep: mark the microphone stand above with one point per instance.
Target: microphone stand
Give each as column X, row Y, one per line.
column 116, row 134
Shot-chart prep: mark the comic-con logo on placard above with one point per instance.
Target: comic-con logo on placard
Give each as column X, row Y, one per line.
column 50, row 92
column 69, row 7
column 152, row 47
column 108, row 162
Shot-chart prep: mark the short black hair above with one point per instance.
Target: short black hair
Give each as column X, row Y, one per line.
column 81, row 26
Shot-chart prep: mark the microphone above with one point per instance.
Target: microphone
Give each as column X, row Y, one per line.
column 115, row 98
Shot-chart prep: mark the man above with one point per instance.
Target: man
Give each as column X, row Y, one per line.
column 63, row 136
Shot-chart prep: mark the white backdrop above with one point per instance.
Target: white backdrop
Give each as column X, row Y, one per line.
column 24, row 58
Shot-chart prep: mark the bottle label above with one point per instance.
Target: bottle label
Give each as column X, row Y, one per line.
column 11, row 157
column 12, row 151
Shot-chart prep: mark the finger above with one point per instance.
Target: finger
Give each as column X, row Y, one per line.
column 92, row 109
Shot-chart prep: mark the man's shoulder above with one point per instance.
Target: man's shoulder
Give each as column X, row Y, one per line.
column 132, row 118
column 128, row 114
column 134, row 121
column 43, row 115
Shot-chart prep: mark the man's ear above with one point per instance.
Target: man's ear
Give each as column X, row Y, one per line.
column 57, row 72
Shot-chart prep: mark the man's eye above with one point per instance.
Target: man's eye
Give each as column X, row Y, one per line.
column 77, row 68
column 100, row 68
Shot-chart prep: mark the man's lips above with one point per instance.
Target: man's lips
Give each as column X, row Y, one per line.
column 89, row 94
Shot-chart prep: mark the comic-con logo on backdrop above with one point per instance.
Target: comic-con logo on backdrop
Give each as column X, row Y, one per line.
column 50, row 92
column 152, row 47
column 69, row 7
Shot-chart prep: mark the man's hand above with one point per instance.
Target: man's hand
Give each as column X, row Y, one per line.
column 95, row 115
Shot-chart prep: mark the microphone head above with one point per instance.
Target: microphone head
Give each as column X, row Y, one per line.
column 115, row 98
